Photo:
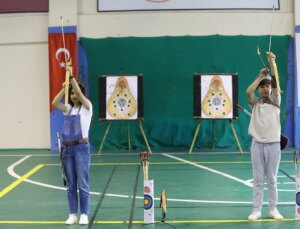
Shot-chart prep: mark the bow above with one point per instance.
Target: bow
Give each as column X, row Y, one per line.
column 68, row 65
column 274, row 72
column 60, row 150
column 271, row 60
column 67, row 81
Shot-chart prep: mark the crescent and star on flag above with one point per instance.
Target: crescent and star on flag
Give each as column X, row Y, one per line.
column 66, row 53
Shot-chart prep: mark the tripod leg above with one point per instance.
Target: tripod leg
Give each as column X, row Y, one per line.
column 104, row 137
column 235, row 136
column 128, row 134
column 144, row 136
column 195, row 136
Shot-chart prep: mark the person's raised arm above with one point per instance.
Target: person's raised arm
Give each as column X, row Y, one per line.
column 84, row 101
column 252, row 87
column 274, row 73
column 57, row 100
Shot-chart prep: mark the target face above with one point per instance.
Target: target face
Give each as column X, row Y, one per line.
column 120, row 97
column 215, row 96
column 298, row 198
column 148, row 202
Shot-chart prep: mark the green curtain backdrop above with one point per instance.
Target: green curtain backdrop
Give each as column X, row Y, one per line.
column 168, row 64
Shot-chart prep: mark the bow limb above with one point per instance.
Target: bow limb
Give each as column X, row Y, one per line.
column 68, row 65
column 271, row 58
column 274, row 72
column 67, row 81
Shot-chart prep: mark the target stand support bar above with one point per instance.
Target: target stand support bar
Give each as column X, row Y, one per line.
column 197, row 132
column 109, row 122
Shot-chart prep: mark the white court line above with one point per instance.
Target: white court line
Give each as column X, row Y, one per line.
column 210, row 170
column 11, row 171
column 245, row 182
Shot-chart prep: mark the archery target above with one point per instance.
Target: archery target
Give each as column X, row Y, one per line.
column 148, row 202
column 297, row 205
column 298, row 198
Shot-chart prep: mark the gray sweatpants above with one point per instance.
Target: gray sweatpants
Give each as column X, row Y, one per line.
column 265, row 163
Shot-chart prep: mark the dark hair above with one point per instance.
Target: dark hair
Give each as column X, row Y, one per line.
column 264, row 82
column 82, row 88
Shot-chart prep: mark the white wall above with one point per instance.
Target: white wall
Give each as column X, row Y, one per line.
column 175, row 23
column 297, row 11
column 24, row 94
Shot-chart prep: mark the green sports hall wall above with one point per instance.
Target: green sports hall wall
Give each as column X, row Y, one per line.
column 168, row 64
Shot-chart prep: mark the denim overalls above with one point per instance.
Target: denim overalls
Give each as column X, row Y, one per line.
column 76, row 159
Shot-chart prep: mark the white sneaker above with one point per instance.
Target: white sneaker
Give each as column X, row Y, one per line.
column 83, row 219
column 72, row 219
column 255, row 215
column 275, row 214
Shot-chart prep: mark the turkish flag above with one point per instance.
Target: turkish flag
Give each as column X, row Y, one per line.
column 62, row 48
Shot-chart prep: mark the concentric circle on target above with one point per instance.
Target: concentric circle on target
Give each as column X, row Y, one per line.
column 148, row 202
column 298, row 198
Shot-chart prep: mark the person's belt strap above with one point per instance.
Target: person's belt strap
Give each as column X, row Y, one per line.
column 76, row 142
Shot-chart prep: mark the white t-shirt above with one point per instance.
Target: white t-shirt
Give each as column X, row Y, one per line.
column 265, row 121
column 85, row 117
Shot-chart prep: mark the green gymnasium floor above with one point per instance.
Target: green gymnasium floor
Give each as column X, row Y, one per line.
column 204, row 190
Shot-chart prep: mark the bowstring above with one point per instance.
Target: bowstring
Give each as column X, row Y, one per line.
column 271, row 32
column 261, row 59
column 63, row 38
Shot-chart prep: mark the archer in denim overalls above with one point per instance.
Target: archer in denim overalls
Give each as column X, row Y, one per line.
column 76, row 159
